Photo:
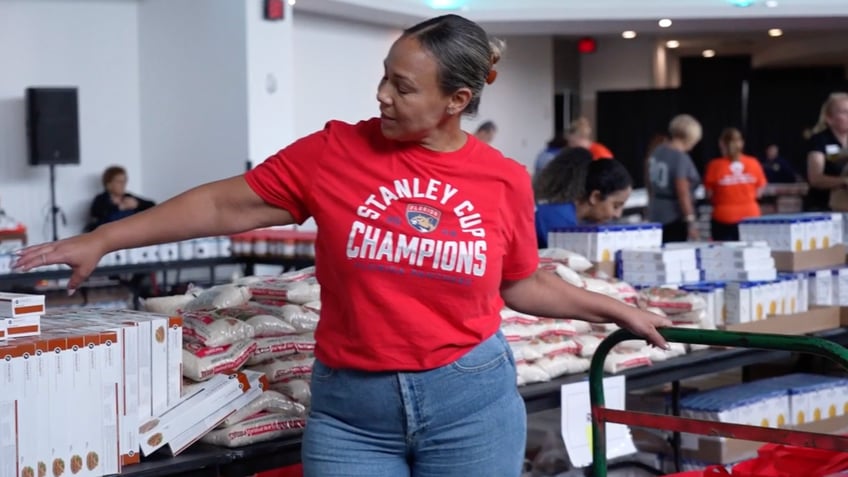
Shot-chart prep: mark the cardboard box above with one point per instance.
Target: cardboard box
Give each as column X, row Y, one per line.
column 816, row 319
column 809, row 259
column 715, row 450
column 607, row 268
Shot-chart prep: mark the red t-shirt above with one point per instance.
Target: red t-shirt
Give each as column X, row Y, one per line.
column 412, row 244
column 734, row 186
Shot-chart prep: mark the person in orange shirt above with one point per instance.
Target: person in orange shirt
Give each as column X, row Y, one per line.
column 580, row 135
column 733, row 183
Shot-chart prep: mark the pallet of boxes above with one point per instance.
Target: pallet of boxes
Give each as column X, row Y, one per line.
column 77, row 384
column 787, row 275
column 808, row 295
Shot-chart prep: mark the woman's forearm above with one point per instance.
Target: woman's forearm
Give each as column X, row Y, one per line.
column 545, row 294
column 218, row 208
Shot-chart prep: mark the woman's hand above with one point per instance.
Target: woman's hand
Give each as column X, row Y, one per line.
column 692, row 231
column 82, row 253
column 643, row 323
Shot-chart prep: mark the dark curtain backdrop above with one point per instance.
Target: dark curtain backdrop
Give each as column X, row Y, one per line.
column 627, row 121
column 712, row 90
column 768, row 105
column 783, row 104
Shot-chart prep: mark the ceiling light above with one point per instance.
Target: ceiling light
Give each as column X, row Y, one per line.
column 292, row 2
column 664, row 23
column 741, row 3
column 775, row 32
column 708, row 53
column 771, row 3
column 672, row 44
column 628, row 34
column 446, row 4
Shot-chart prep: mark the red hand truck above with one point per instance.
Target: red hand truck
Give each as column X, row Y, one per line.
column 801, row 344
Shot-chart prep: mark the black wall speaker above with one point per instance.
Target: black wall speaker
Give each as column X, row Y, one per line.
column 52, row 126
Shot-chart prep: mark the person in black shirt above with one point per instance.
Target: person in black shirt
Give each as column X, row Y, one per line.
column 777, row 169
column 115, row 202
column 828, row 153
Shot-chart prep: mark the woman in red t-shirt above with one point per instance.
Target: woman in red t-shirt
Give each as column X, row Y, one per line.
column 733, row 182
column 425, row 234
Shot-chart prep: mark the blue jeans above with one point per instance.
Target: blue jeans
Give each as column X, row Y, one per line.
column 464, row 419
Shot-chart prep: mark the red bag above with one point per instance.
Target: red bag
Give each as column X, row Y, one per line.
column 776, row 460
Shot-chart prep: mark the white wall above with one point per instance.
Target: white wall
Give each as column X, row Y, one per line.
column 193, row 93
column 337, row 66
column 270, row 82
column 617, row 64
column 92, row 45
column 339, row 63
column 520, row 102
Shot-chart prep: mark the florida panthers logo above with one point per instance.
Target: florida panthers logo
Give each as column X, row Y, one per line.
column 423, row 218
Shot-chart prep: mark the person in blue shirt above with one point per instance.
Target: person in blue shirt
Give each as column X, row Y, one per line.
column 554, row 147
column 777, row 169
column 574, row 189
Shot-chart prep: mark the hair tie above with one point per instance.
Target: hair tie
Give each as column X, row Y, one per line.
column 492, row 76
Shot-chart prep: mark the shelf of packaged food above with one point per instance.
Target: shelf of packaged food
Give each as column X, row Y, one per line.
column 203, row 460
column 29, row 278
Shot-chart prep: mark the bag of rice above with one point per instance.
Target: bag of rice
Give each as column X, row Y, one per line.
column 209, row 330
column 618, row 361
column 570, row 259
column 296, row 366
column 569, row 275
column 279, row 346
column 204, row 366
column 556, row 366
column 220, row 296
column 588, row 345
column 302, row 319
column 296, row 389
column 261, row 428
column 167, row 305
column 267, row 321
column 527, row 373
column 269, row 401
column 671, row 300
column 276, row 290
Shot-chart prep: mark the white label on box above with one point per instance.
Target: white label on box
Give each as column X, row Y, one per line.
column 577, row 421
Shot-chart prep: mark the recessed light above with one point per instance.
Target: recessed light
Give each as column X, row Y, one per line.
column 672, row 44
column 664, row 23
column 628, row 34
column 708, row 53
column 771, row 3
column 741, row 3
column 775, row 32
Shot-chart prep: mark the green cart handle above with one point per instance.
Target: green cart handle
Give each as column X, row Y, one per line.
column 801, row 344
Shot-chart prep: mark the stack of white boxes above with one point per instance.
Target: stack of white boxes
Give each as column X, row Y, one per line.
column 658, row 266
column 209, row 247
column 72, row 398
column 715, row 313
column 600, row 243
column 737, row 261
column 794, row 232
column 755, row 301
column 20, row 315
column 812, row 397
